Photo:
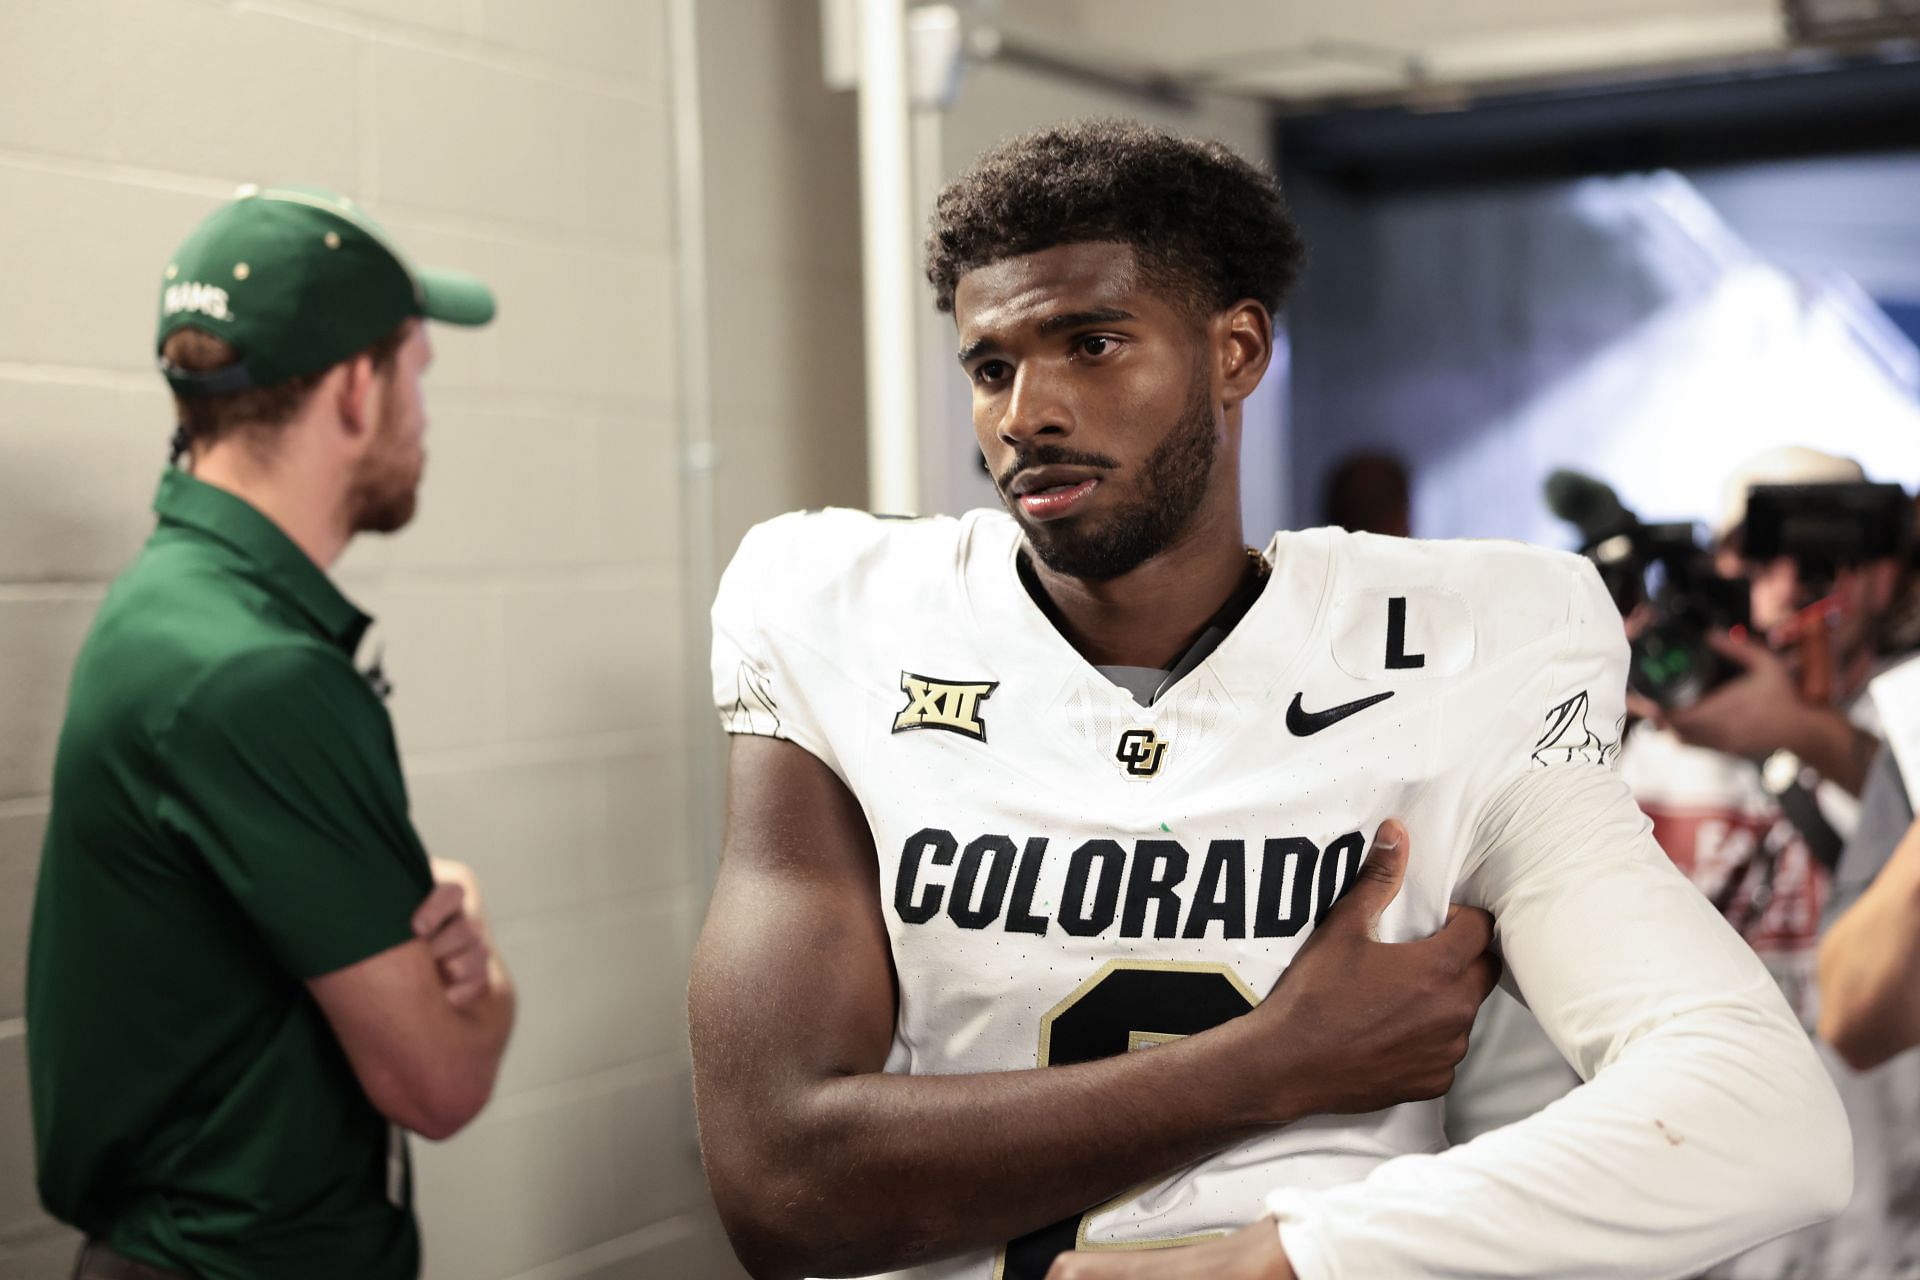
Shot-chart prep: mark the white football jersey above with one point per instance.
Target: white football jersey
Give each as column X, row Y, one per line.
column 1066, row 874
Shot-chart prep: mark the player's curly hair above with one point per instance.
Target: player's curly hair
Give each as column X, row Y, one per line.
column 1205, row 225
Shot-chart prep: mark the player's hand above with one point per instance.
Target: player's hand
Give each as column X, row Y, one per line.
column 1251, row 1253
column 1363, row 1024
column 452, row 925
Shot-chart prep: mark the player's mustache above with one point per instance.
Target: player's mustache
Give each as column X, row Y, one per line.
column 1052, row 455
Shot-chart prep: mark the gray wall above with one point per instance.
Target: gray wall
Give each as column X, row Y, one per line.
column 783, row 270
column 536, row 619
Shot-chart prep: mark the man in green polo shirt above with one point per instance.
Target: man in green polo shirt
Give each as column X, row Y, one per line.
column 246, row 977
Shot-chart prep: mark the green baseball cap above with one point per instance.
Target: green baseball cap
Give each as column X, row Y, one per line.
column 297, row 279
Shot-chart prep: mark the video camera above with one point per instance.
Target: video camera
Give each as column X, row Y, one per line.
column 1823, row 527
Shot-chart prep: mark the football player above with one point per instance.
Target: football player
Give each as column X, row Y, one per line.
column 1033, row 932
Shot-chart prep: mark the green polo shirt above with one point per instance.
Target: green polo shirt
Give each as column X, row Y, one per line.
column 228, row 820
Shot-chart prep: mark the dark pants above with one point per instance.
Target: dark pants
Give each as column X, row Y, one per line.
column 98, row 1262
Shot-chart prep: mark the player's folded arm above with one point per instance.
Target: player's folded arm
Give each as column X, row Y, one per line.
column 1707, row 1123
column 791, row 986
column 278, row 785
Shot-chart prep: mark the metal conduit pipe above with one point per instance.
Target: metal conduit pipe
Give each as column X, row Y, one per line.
column 698, row 456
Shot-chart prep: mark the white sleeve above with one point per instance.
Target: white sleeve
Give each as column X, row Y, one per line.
column 1707, row 1124
column 760, row 683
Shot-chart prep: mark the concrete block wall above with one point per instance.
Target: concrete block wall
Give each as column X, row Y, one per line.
column 532, row 619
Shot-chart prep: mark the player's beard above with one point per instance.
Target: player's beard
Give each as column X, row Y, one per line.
column 386, row 485
column 1173, row 484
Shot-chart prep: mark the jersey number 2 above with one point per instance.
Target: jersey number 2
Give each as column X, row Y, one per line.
column 1127, row 1005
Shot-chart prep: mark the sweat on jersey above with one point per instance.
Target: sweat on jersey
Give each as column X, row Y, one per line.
column 1066, row 874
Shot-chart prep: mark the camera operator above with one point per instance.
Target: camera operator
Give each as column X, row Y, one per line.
column 1753, row 788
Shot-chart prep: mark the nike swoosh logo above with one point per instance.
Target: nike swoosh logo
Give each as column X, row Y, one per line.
column 1304, row 724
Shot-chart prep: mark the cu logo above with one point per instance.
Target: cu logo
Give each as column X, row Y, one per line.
column 1141, row 753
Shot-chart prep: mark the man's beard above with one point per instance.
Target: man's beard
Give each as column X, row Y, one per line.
column 1172, row 486
column 386, row 487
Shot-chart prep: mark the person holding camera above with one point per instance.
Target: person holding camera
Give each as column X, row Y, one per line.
column 246, row 978
column 1753, row 788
